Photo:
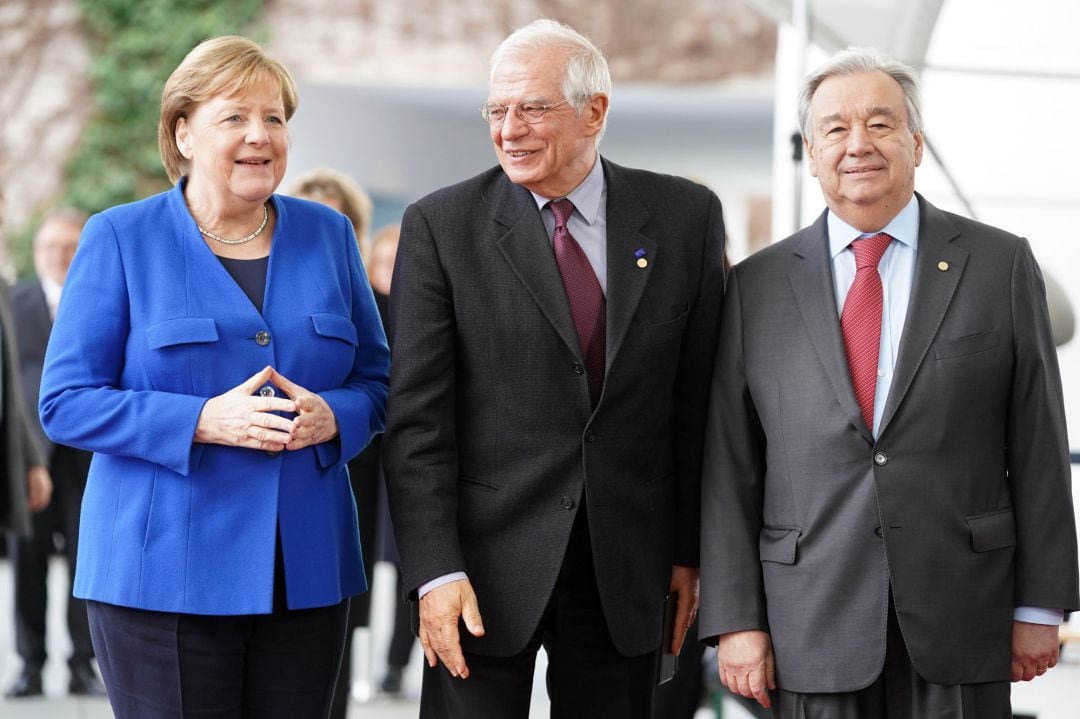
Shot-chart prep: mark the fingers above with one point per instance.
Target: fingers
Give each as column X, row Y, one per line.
column 251, row 384
column 290, row 388
column 684, row 617
column 440, row 611
column 470, row 613
column 425, row 644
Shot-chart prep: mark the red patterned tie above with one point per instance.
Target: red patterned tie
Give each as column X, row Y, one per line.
column 587, row 305
column 861, row 321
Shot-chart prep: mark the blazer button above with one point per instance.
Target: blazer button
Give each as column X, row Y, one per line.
column 878, row 532
column 881, row 459
column 567, row 503
column 266, row 391
column 590, row 436
column 262, row 337
column 578, row 369
column 272, row 453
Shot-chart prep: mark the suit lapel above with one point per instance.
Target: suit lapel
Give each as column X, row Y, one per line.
column 626, row 282
column 931, row 292
column 524, row 243
column 812, row 282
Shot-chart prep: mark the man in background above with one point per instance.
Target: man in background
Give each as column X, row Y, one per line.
column 35, row 304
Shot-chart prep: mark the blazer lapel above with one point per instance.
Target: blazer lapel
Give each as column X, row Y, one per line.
column 625, row 280
column 931, row 292
column 524, row 243
column 812, row 282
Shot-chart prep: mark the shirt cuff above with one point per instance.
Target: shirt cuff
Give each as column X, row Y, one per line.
column 439, row 581
column 1036, row 615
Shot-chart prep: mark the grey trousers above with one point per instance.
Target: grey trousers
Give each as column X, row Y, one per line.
column 900, row 693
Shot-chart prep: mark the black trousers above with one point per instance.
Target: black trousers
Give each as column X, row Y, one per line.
column 900, row 693
column 30, row 560
column 587, row 676
column 165, row 665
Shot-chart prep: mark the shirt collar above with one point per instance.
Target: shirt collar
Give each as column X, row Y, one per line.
column 903, row 228
column 586, row 196
column 52, row 289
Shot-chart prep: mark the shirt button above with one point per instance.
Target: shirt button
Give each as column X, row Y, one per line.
column 567, row 503
column 262, row 337
column 266, row 391
column 880, row 372
column 881, row 459
column 578, row 369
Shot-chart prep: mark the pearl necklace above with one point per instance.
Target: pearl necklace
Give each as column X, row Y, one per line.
column 242, row 240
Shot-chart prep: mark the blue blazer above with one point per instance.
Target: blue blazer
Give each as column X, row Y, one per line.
column 151, row 325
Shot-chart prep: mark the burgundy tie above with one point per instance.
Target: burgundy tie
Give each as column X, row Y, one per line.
column 587, row 304
column 861, row 321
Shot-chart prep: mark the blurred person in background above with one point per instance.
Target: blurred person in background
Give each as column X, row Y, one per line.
column 337, row 190
column 25, row 485
column 35, row 303
column 220, row 352
column 554, row 323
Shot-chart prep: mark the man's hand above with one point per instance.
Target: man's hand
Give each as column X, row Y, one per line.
column 746, row 665
column 39, row 488
column 1034, row 649
column 440, row 610
column 684, row 581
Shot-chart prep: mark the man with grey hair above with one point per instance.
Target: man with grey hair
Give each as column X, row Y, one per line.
column 887, row 520
column 553, row 327
column 35, row 303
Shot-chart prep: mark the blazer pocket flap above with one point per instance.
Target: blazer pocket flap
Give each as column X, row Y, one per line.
column 778, row 545
column 181, row 331
column 995, row 530
column 336, row 326
column 967, row 345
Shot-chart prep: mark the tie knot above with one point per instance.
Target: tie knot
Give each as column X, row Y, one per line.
column 562, row 209
column 868, row 250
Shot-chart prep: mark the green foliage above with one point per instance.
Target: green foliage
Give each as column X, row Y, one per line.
column 136, row 44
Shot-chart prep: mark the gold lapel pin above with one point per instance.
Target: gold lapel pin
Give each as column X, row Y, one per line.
column 943, row 265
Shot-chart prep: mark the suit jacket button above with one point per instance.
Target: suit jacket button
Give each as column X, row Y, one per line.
column 272, row 453
column 262, row 337
column 567, row 503
column 578, row 369
column 266, row 391
column 590, row 436
column 881, row 459
column 878, row 532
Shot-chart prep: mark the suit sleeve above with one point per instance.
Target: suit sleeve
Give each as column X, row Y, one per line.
column 420, row 453
column 692, row 393
column 1037, row 449
column 83, row 403
column 733, row 478
column 359, row 405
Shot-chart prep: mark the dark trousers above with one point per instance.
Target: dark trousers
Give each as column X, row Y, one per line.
column 30, row 560
column 587, row 676
column 402, row 639
column 165, row 665
column 900, row 693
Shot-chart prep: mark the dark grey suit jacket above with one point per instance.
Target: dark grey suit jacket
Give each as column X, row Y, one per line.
column 491, row 444
column 20, row 450
column 962, row 505
column 32, row 330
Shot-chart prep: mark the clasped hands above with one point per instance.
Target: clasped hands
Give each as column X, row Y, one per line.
column 242, row 418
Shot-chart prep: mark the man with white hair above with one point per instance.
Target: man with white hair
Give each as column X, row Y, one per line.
column 553, row 327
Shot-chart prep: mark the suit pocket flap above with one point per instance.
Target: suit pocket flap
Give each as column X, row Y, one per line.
column 336, row 326
column 778, row 545
column 995, row 530
column 181, row 331
column 967, row 345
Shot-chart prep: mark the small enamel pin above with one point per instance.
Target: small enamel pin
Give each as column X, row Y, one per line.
column 943, row 265
column 640, row 255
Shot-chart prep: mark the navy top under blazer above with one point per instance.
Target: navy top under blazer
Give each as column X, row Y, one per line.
column 151, row 325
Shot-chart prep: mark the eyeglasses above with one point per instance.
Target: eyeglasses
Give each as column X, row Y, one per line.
column 530, row 111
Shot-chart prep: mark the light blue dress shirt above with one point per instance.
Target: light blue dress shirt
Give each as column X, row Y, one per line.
column 897, row 269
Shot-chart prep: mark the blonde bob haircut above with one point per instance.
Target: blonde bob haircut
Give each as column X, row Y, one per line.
column 219, row 66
